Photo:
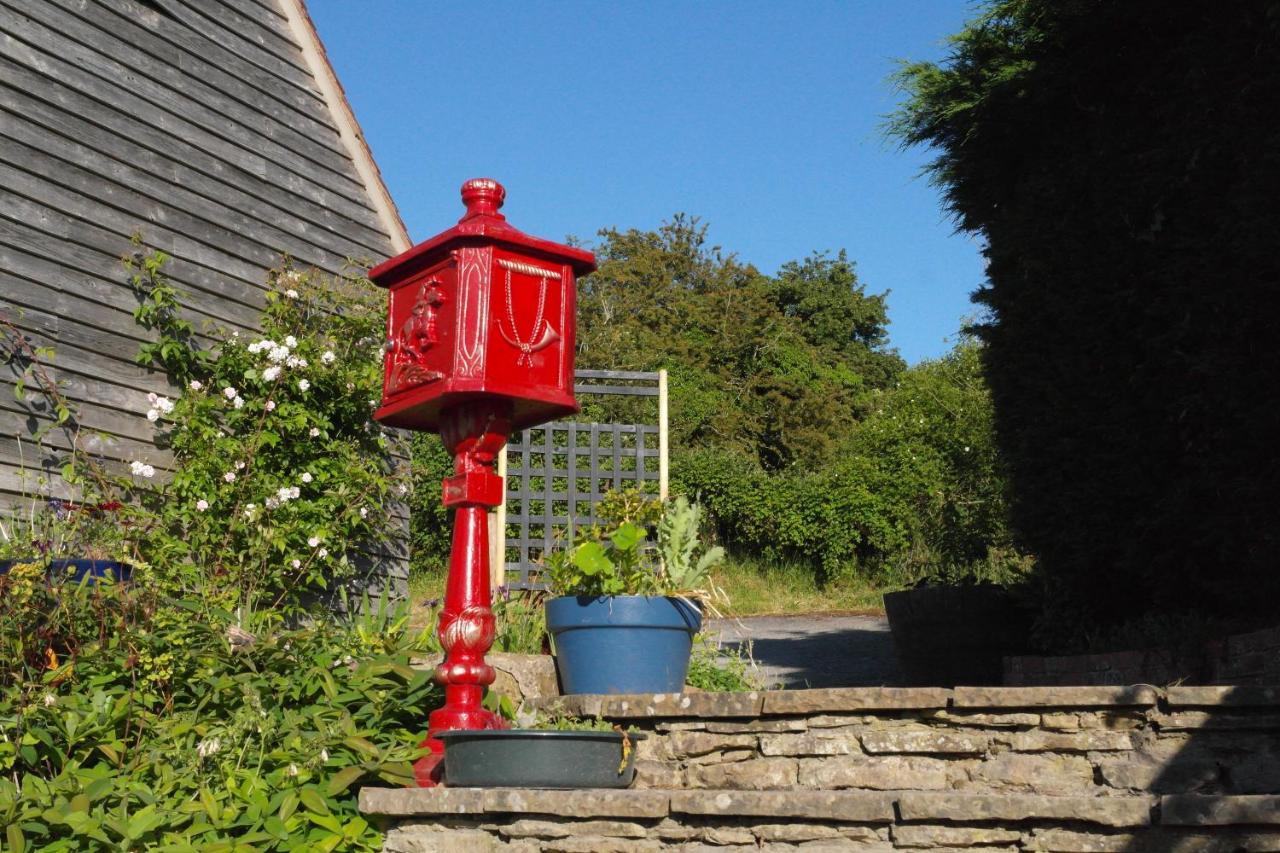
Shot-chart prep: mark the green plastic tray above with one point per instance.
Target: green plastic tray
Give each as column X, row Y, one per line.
column 534, row 758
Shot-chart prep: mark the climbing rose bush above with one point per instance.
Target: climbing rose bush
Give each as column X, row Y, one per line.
column 282, row 483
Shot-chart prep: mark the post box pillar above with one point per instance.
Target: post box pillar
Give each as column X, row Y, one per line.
column 480, row 342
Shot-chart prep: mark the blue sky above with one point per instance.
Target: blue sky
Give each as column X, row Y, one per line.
column 763, row 119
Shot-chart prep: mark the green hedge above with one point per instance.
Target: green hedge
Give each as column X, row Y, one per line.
column 1113, row 157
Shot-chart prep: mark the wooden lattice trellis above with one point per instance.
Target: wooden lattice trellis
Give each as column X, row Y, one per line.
column 557, row 473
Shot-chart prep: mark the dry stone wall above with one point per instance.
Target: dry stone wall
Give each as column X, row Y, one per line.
column 1241, row 659
column 1078, row 769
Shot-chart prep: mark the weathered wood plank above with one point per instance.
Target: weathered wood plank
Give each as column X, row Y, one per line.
column 204, row 61
column 168, row 182
column 259, row 243
column 262, row 161
column 274, row 39
column 134, row 50
column 196, row 44
column 166, row 89
column 286, row 65
column 100, row 121
column 34, row 283
column 88, row 250
column 267, row 15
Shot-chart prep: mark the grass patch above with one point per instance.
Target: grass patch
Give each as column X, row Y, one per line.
column 758, row 588
column 755, row 588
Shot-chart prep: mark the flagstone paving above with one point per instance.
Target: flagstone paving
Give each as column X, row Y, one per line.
column 814, row 650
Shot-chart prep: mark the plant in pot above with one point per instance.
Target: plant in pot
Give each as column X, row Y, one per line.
column 74, row 542
column 544, row 750
column 623, row 615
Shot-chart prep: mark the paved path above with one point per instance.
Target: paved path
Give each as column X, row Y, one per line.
column 814, row 650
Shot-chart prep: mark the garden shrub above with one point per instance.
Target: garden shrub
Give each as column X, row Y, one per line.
column 283, row 485
column 213, row 702
column 916, row 492
column 1110, row 157
column 157, row 723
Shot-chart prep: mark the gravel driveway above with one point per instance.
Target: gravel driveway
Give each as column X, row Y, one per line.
column 814, row 650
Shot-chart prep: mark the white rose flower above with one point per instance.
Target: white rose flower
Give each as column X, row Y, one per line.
column 303, row 385
column 324, row 755
column 230, row 393
column 322, row 553
column 293, row 768
column 230, row 476
column 314, row 432
column 270, row 406
column 202, row 505
column 141, row 469
column 239, row 464
column 208, row 747
column 290, row 341
column 328, row 357
column 283, row 493
column 294, row 492
column 278, row 354
column 272, row 503
column 238, row 402
column 50, row 700
column 153, row 415
column 271, row 373
column 291, row 293
column 313, row 541
column 297, row 564
column 364, row 512
column 195, row 385
column 306, row 476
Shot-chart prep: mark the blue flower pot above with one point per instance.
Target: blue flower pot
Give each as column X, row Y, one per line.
column 76, row 571
column 622, row 643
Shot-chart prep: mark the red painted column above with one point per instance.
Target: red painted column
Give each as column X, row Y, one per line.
column 475, row 433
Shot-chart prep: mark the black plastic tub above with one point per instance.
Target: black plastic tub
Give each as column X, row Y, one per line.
column 536, row 758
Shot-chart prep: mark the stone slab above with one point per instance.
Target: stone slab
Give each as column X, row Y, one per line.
column 1208, row 810
column 1136, row 695
column 924, row 741
column 956, row 807
column 855, row 699
column 847, row 806
column 411, row 802
column 1213, row 697
column 588, row 802
column 527, row 828
column 952, row 836
column 668, row 705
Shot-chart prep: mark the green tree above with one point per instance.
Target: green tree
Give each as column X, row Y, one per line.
column 773, row 368
column 1112, row 158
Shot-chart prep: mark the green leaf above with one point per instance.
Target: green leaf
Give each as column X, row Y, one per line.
column 627, row 536
column 591, row 558
column 343, row 779
column 17, row 842
column 313, row 801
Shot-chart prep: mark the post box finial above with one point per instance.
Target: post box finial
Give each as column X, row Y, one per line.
column 483, row 197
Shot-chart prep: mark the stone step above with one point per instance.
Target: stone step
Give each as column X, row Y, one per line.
column 439, row 819
column 1055, row 769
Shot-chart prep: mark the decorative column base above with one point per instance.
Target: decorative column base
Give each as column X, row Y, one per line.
column 475, row 433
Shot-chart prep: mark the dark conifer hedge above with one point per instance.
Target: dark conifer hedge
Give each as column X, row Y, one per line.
column 1121, row 158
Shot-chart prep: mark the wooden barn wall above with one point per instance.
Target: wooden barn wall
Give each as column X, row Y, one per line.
column 194, row 122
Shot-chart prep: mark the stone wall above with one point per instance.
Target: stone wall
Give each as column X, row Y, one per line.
column 977, row 769
column 1241, row 659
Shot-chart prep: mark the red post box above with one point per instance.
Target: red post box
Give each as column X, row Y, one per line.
column 480, row 342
